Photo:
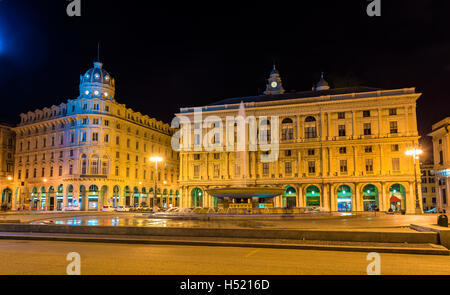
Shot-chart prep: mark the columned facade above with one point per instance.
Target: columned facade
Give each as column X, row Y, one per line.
column 91, row 152
column 342, row 150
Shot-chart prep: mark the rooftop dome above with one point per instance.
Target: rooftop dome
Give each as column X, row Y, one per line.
column 97, row 82
column 322, row 84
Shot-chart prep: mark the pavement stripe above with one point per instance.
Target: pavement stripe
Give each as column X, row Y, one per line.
column 251, row 253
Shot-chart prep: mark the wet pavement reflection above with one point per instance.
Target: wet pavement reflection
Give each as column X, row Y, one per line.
column 365, row 221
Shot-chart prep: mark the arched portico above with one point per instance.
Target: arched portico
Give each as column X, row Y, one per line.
column 312, row 196
column 290, row 197
column 196, row 197
column 397, row 197
column 371, row 200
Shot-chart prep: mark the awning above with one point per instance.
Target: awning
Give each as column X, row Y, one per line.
column 395, row 199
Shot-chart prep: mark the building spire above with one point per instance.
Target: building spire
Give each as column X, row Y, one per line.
column 98, row 51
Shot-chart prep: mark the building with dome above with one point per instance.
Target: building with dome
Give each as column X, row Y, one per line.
column 342, row 149
column 91, row 152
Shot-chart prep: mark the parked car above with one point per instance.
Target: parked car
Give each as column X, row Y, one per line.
column 107, row 208
column 71, row 208
column 122, row 209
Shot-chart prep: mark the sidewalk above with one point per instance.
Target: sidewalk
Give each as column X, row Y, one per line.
column 403, row 248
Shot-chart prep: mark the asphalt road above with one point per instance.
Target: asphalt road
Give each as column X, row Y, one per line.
column 49, row 258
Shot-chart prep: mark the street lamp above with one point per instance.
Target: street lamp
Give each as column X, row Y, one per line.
column 415, row 152
column 155, row 160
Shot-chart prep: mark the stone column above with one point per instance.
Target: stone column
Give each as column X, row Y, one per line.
column 411, row 201
column 65, row 198
column 358, row 202
column 326, row 197
column 333, row 201
column 382, row 199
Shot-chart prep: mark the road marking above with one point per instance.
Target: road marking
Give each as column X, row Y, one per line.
column 251, row 253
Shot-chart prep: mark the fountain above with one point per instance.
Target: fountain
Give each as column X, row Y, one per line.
column 242, row 196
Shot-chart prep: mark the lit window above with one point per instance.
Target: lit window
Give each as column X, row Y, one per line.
column 97, row 76
column 106, row 77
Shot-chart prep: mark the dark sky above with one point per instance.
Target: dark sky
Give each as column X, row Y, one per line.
column 165, row 55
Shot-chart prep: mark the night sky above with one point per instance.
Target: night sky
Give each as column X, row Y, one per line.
column 165, row 55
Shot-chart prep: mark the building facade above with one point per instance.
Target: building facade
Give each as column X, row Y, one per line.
column 441, row 151
column 91, row 152
column 428, row 181
column 6, row 164
column 339, row 149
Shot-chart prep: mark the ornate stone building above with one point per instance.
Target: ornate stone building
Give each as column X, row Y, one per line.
column 91, row 152
column 429, row 198
column 6, row 163
column 441, row 152
column 340, row 149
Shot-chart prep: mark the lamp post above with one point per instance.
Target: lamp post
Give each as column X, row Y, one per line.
column 415, row 152
column 155, row 160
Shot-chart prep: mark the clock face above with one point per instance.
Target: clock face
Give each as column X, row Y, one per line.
column 274, row 84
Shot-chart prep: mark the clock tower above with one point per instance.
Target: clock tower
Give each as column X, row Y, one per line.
column 274, row 85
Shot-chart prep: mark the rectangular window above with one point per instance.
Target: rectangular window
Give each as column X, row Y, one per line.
column 343, row 166
column 287, row 153
column 341, row 115
column 83, row 137
column 393, row 127
column 392, row 112
column 395, row 164
column 288, row 168
column 441, row 158
column 394, row 148
column 117, row 140
column 265, row 169
column 216, row 156
column 311, row 167
column 369, row 165
column 197, row 139
column 196, row 171
column 70, row 169
column 106, row 138
column 60, row 169
column 216, row 171
column 341, row 129
column 343, row 150
column 311, row 152
column 196, row 156
column 367, row 129
column 366, row 114
column 95, row 136
column 368, row 149
column 117, row 171
column 237, row 169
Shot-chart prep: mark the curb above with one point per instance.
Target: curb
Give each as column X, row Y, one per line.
column 397, row 250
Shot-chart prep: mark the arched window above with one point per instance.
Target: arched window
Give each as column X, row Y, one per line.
column 287, row 129
column 310, row 127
